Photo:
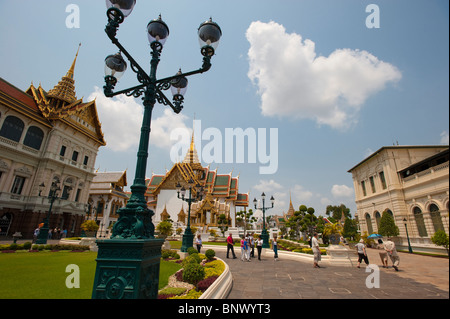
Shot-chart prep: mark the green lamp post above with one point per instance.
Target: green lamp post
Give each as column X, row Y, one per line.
column 54, row 193
column 128, row 262
column 407, row 236
column 188, row 236
column 264, row 233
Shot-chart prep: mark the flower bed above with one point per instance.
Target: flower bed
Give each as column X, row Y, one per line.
column 199, row 272
column 297, row 247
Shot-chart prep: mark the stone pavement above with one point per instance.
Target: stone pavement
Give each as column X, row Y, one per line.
column 419, row 277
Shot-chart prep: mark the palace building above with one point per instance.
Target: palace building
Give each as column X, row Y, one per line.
column 412, row 184
column 221, row 194
column 45, row 137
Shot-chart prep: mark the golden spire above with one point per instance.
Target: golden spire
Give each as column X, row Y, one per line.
column 65, row 89
column 192, row 156
column 291, row 210
column 72, row 68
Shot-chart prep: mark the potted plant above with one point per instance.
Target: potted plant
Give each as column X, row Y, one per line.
column 90, row 228
column 333, row 231
column 165, row 229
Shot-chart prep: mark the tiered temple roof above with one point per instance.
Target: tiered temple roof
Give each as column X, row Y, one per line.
column 61, row 103
column 219, row 189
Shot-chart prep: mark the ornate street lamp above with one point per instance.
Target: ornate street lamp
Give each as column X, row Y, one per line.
column 188, row 236
column 133, row 233
column 407, row 236
column 264, row 234
column 54, row 193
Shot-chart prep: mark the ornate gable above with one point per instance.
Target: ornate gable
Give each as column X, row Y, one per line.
column 61, row 103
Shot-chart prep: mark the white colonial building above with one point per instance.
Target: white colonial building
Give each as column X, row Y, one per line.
column 106, row 196
column 409, row 182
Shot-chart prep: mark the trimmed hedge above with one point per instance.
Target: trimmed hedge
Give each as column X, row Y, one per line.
column 30, row 247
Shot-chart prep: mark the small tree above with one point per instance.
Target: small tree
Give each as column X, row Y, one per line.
column 440, row 238
column 89, row 225
column 331, row 229
column 165, row 228
column 387, row 225
column 245, row 218
column 350, row 228
column 223, row 224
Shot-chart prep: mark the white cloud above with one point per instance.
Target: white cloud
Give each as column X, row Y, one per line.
column 301, row 194
column 444, row 138
column 293, row 82
column 339, row 191
column 121, row 119
column 368, row 152
column 267, row 186
column 162, row 126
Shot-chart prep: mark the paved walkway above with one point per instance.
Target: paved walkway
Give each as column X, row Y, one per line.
column 419, row 277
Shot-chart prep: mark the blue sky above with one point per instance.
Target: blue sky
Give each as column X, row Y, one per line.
column 334, row 89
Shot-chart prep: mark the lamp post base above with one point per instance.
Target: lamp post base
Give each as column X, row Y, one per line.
column 127, row 269
column 43, row 236
column 265, row 238
column 188, row 240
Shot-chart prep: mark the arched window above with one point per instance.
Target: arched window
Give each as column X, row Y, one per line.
column 390, row 212
column 418, row 216
column 436, row 217
column 34, row 137
column 12, row 128
column 369, row 224
column 378, row 218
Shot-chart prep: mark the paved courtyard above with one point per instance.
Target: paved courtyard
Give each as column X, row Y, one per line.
column 291, row 279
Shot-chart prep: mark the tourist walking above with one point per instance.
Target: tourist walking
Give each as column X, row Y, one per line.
column 36, row 234
column 252, row 245
column 198, row 242
column 362, row 254
column 316, row 250
column 247, row 249
column 230, row 244
column 389, row 246
column 383, row 253
column 244, row 248
column 259, row 243
column 275, row 247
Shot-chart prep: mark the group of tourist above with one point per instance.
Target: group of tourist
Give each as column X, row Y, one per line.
column 55, row 233
column 386, row 249
column 248, row 244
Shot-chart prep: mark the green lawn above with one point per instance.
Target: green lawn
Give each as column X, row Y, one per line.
column 42, row 275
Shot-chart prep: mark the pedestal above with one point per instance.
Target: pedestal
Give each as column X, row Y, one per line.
column 265, row 238
column 188, row 240
column 340, row 255
column 127, row 269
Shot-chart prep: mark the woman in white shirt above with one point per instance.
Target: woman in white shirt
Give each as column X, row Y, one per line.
column 259, row 243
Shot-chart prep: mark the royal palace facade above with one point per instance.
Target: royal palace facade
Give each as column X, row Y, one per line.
column 412, row 184
column 46, row 137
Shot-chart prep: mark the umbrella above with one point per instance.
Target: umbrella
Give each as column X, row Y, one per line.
column 374, row 236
